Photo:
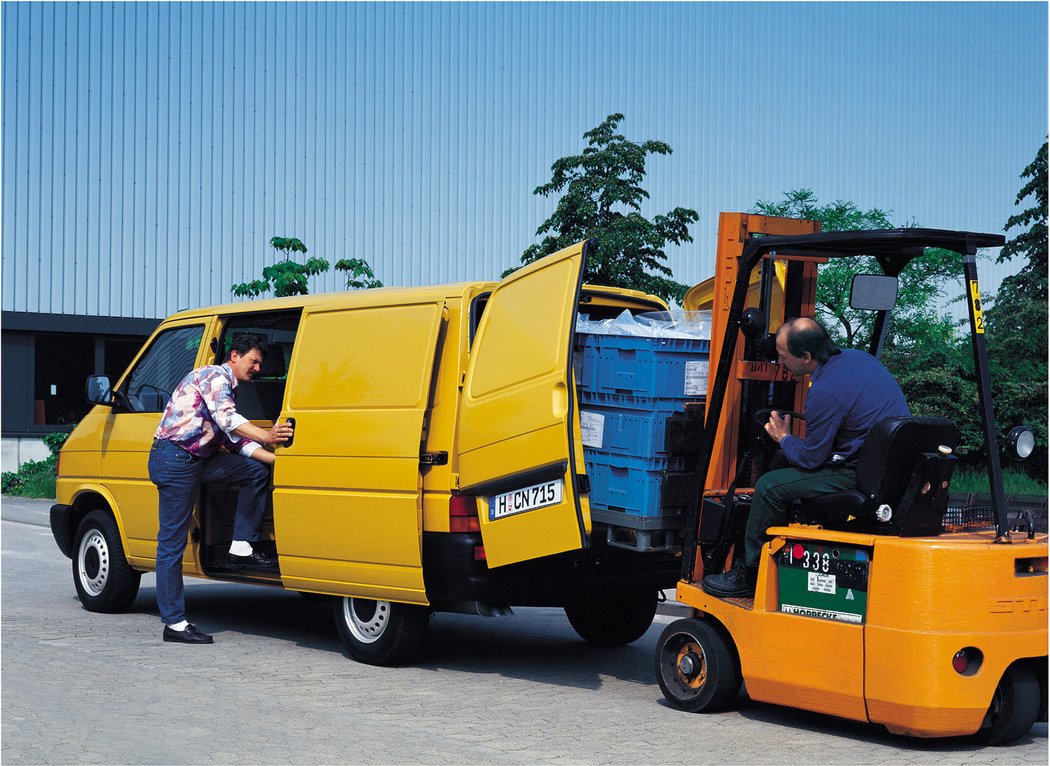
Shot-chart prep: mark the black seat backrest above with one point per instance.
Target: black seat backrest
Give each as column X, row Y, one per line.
column 890, row 453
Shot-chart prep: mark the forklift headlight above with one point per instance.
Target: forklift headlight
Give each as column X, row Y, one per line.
column 1020, row 442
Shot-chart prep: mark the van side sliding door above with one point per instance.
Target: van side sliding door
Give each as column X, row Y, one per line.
column 517, row 412
column 348, row 491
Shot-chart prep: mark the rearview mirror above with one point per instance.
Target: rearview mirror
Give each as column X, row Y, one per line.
column 873, row 292
column 98, row 390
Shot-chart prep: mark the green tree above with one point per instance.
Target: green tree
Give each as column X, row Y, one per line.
column 289, row 277
column 601, row 197
column 919, row 284
column 1017, row 317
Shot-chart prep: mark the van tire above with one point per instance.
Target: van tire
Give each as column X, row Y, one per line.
column 380, row 632
column 1014, row 707
column 614, row 618
column 103, row 578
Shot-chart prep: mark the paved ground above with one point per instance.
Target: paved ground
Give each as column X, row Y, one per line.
column 276, row 688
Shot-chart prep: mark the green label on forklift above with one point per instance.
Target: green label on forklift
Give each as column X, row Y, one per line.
column 824, row 580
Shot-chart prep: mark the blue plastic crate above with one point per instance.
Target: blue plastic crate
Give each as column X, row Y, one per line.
column 650, row 368
column 637, row 431
column 627, row 483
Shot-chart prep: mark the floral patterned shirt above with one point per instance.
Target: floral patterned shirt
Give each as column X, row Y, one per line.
column 202, row 414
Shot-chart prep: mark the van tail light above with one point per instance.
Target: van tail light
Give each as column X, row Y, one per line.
column 479, row 553
column 463, row 514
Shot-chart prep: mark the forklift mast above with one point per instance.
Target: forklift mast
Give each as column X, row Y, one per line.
column 781, row 288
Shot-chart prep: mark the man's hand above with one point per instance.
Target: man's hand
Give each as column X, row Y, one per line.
column 279, row 434
column 778, row 426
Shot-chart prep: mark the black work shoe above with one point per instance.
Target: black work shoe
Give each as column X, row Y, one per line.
column 188, row 636
column 255, row 559
column 738, row 582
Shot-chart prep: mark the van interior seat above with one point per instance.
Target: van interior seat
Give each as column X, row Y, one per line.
column 261, row 398
column 890, row 457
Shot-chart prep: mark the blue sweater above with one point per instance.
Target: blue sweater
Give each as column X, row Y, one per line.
column 850, row 393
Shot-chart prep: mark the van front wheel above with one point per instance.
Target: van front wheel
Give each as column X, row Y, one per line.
column 380, row 632
column 104, row 580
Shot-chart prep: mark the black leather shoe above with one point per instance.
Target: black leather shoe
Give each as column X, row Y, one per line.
column 189, row 636
column 256, row 559
column 738, row 582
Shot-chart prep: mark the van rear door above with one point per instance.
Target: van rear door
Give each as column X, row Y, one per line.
column 347, row 493
column 516, row 448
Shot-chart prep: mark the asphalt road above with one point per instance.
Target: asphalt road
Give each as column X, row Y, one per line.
column 276, row 687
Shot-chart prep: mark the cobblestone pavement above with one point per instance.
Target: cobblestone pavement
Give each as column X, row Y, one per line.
column 276, row 687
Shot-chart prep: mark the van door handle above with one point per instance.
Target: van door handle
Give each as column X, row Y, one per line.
column 291, row 422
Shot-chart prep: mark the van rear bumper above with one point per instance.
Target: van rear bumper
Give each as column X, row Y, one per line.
column 451, row 573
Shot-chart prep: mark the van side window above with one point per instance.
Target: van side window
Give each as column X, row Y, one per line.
column 165, row 363
column 477, row 308
column 261, row 399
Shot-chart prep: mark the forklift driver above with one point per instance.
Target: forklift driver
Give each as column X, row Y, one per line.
column 850, row 393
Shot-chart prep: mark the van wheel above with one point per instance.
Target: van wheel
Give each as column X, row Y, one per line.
column 1014, row 708
column 380, row 632
column 104, row 580
column 695, row 667
column 613, row 619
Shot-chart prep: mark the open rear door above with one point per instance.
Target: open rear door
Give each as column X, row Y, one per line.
column 515, row 431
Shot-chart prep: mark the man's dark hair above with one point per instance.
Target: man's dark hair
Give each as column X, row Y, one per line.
column 804, row 334
column 245, row 342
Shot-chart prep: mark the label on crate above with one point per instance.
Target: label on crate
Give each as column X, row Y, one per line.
column 696, row 378
column 592, row 428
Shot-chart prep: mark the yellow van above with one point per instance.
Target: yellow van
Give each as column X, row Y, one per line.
column 437, row 463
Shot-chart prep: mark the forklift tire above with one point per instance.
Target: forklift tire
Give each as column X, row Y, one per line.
column 1014, row 708
column 695, row 667
column 618, row 619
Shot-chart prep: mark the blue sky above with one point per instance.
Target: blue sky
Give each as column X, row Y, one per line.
column 139, row 135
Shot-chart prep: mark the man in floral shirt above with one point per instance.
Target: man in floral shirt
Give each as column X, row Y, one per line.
column 201, row 439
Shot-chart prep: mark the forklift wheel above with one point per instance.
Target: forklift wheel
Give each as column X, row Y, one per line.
column 695, row 667
column 1014, row 708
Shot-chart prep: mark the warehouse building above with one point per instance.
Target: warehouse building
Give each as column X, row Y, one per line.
column 151, row 150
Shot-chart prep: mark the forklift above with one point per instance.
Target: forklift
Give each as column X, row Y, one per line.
column 879, row 604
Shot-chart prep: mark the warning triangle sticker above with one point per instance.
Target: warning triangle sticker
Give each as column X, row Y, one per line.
column 849, row 595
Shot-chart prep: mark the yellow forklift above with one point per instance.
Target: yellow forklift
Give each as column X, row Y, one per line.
column 881, row 604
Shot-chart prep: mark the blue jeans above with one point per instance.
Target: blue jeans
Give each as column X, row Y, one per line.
column 178, row 476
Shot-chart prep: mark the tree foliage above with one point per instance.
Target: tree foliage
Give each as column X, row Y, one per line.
column 601, row 197
column 1017, row 318
column 924, row 349
column 919, row 284
column 289, row 277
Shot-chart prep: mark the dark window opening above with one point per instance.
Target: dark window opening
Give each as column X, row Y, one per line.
column 59, row 366
column 261, row 399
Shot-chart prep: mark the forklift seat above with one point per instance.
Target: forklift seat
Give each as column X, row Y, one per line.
column 904, row 465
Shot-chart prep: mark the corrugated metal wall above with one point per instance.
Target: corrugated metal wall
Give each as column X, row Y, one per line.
column 151, row 150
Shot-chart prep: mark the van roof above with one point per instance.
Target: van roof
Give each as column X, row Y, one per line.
column 380, row 296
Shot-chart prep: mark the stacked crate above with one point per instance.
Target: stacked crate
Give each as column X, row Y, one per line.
column 630, row 389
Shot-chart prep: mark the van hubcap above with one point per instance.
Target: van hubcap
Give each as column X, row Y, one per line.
column 93, row 562
column 365, row 618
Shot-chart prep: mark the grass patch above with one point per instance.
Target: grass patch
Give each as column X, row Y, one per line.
column 35, row 478
column 1015, row 482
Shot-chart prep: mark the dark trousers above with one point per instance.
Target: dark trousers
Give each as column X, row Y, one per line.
column 178, row 476
column 777, row 490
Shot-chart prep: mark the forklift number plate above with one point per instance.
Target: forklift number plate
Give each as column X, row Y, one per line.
column 823, row 580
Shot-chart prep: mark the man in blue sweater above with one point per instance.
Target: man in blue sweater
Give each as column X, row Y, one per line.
column 850, row 392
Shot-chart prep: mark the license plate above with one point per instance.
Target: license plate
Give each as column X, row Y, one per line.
column 525, row 499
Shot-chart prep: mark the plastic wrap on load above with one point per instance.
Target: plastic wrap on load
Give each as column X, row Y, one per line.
column 654, row 324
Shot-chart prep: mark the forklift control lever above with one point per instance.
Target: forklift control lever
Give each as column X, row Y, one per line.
column 762, row 416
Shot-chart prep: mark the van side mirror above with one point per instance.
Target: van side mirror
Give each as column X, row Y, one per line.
column 98, row 390
column 873, row 292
